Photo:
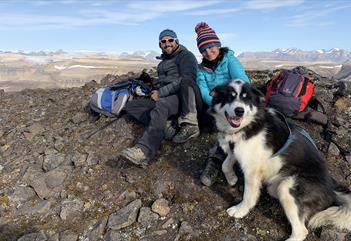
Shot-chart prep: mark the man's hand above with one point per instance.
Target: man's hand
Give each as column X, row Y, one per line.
column 155, row 95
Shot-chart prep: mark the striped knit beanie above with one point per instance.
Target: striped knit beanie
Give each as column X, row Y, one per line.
column 206, row 37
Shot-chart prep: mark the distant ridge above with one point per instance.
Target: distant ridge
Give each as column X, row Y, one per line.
column 293, row 54
column 147, row 54
column 345, row 73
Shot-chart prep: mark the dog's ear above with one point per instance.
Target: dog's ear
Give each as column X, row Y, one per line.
column 214, row 95
column 259, row 95
column 214, row 92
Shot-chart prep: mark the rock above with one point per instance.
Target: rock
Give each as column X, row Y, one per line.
column 247, row 237
column 342, row 104
column 22, row 194
column 348, row 159
column 90, row 84
column 54, row 237
column 43, row 207
column 159, row 232
column 113, row 235
column 185, row 230
column 78, row 159
column 161, row 207
column 68, row 236
column 124, row 217
column 333, row 149
column 32, row 131
column 161, row 186
column 56, row 177
column 97, row 230
column 78, row 118
column 147, row 217
column 53, row 160
column 33, row 236
column 92, row 159
column 59, row 143
column 126, row 197
column 331, row 234
column 70, row 208
column 36, row 179
column 169, row 223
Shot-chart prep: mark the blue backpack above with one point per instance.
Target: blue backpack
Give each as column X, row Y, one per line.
column 110, row 100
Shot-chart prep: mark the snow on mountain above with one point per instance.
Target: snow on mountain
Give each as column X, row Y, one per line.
column 294, row 54
column 147, row 54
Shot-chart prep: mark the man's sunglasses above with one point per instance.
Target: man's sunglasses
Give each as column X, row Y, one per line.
column 171, row 40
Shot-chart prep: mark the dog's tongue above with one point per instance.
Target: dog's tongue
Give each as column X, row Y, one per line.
column 235, row 121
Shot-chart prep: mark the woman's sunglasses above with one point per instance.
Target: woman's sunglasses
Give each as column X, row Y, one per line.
column 171, row 40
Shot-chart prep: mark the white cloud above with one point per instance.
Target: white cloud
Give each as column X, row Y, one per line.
column 169, row 6
column 131, row 13
column 314, row 17
column 213, row 11
column 40, row 22
column 271, row 4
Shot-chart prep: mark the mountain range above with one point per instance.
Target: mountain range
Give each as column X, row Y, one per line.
column 52, row 69
column 147, row 55
column 335, row 55
column 293, row 54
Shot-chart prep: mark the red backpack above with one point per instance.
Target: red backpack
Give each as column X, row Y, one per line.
column 289, row 91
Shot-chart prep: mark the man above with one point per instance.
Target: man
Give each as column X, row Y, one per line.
column 175, row 94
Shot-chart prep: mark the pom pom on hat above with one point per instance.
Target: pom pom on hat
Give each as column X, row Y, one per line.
column 206, row 37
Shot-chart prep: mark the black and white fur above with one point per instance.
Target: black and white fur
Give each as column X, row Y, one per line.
column 252, row 135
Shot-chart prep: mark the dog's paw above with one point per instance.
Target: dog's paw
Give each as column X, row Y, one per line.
column 299, row 234
column 237, row 211
column 295, row 239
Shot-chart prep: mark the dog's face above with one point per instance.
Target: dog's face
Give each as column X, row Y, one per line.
column 234, row 105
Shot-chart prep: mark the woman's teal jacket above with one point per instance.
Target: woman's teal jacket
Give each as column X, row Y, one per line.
column 229, row 68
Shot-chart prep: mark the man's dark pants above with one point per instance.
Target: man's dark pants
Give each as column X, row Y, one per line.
column 154, row 115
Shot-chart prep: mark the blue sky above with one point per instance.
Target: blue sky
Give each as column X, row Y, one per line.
column 125, row 26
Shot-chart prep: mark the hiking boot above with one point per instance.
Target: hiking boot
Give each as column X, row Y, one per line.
column 135, row 155
column 209, row 175
column 170, row 131
column 186, row 132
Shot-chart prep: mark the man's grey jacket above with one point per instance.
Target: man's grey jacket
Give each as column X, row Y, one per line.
column 180, row 65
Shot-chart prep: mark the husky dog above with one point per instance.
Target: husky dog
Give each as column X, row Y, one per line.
column 280, row 155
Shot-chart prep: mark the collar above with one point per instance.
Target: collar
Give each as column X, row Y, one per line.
column 169, row 56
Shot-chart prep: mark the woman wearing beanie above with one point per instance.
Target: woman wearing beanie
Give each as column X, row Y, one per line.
column 218, row 67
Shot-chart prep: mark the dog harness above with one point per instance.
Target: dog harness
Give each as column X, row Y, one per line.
column 290, row 137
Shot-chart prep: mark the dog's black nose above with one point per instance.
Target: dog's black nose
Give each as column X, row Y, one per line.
column 239, row 111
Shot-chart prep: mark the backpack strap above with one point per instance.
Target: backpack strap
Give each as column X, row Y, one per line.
column 314, row 103
column 312, row 113
column 124, row 84
column 101, row 128
column 290, row 137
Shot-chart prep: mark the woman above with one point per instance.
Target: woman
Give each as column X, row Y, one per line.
column 218, row 67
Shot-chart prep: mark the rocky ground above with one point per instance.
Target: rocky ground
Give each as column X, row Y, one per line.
column 57, row 184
